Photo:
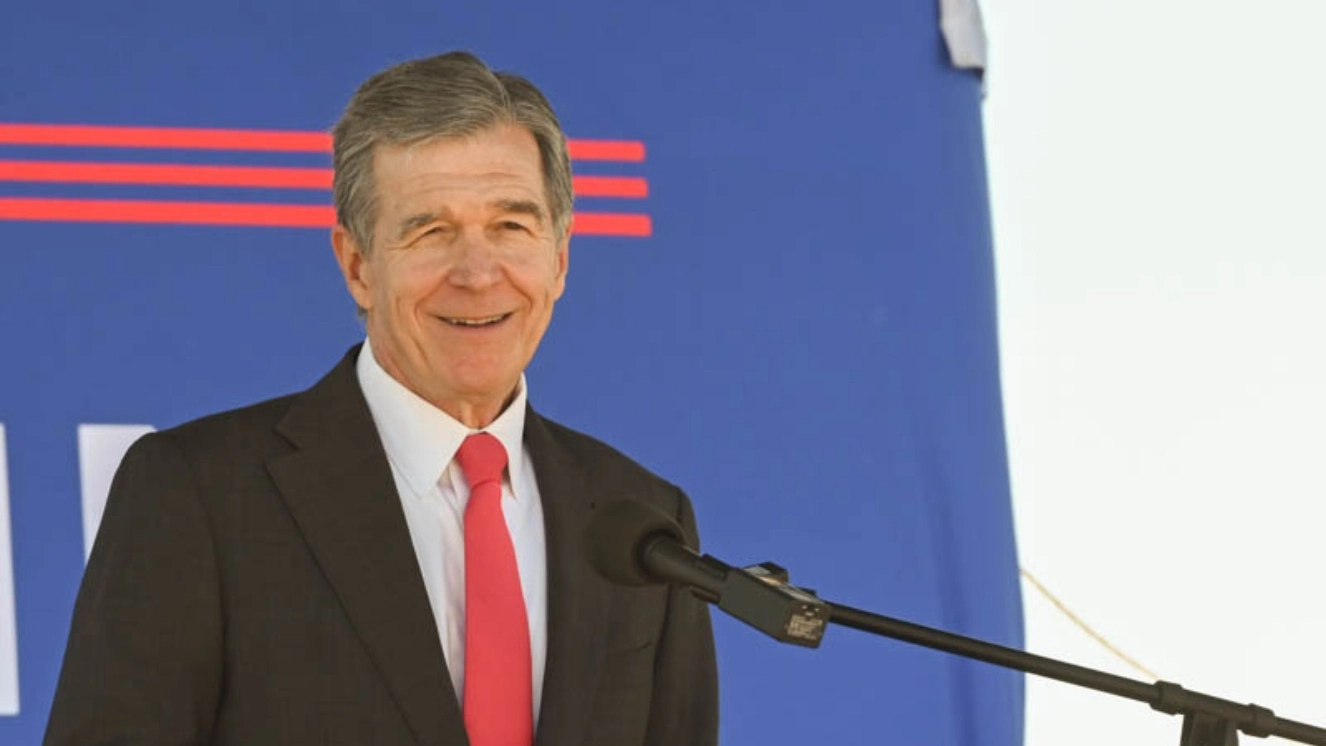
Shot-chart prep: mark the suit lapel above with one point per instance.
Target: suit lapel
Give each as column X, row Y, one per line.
column 339, row 488
column 577, row 600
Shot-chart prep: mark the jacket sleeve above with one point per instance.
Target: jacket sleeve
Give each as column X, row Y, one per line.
column 144, row 659
column 685, row 700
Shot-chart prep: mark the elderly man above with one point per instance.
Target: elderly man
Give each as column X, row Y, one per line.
column 395, row 555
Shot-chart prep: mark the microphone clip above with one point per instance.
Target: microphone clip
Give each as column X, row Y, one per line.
column 761, row 596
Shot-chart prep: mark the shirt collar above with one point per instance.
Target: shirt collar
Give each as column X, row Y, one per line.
column 420, row 439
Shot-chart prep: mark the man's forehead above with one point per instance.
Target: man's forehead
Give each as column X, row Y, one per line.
column 514, row 140
column 461, row 159
column 446, row 192
column 410, row 219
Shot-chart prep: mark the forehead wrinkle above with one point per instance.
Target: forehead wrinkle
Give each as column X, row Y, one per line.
column 412, row 181
column 522, row 206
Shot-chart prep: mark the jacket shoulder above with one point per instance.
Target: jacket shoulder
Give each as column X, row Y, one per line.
column 612, row 475
column 236, row 430
column 256, row 428
column 601, row 460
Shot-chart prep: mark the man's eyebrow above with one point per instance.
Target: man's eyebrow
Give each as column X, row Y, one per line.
column 522, row 206
column 415, row 221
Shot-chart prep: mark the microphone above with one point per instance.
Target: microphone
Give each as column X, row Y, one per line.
column 630, row 543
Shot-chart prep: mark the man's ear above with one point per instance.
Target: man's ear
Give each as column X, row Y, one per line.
column 563, row 260
column 354, row 266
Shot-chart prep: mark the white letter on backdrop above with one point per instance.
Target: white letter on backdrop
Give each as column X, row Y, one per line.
column 8, row 623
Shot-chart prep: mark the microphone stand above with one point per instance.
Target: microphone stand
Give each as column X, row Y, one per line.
column 798, row 616
column 1207, row 720
column 761, row 596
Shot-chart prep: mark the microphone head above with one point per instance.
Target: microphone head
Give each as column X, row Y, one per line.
column 616, row 535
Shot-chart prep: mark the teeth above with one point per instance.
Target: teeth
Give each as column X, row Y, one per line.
column 476, row 322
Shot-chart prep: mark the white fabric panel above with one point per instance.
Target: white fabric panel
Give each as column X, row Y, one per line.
column 964, row 32
column 1156, row 179
column 8, row 623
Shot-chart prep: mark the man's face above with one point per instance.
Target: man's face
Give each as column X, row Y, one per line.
column 464, row 270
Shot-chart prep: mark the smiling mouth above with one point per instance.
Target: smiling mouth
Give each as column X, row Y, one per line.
column 476, row 322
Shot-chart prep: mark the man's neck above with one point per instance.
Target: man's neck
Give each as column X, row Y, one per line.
column 475, row 416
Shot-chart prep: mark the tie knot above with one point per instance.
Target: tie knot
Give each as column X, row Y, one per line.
column 481, row 457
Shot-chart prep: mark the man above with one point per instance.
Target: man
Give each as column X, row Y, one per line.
column 395, row 555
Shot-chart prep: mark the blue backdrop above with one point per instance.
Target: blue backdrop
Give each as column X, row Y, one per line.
column 805, row 342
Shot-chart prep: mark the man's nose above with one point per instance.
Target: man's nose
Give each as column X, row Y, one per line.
column 475, row 263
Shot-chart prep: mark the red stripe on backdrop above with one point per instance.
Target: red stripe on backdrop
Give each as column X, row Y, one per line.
column 190, row 138
column 220, row 213
column 164, row 137
column 137, row 173
column 183, row 213
column 610, row 186
column 246, row 176
column 631, row 151
column 612, row 224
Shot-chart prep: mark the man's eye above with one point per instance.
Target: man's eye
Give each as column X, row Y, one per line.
column 512, row 225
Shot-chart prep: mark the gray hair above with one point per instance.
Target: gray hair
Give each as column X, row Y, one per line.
column 450, row 95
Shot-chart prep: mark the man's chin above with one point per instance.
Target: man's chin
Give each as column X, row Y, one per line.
column 472, row 393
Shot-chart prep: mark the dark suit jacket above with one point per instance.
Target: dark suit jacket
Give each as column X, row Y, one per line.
column 253, row 582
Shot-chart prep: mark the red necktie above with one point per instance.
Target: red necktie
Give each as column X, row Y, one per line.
column 498, row 681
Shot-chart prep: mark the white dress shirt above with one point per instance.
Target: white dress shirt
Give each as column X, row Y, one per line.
column 421, row 441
